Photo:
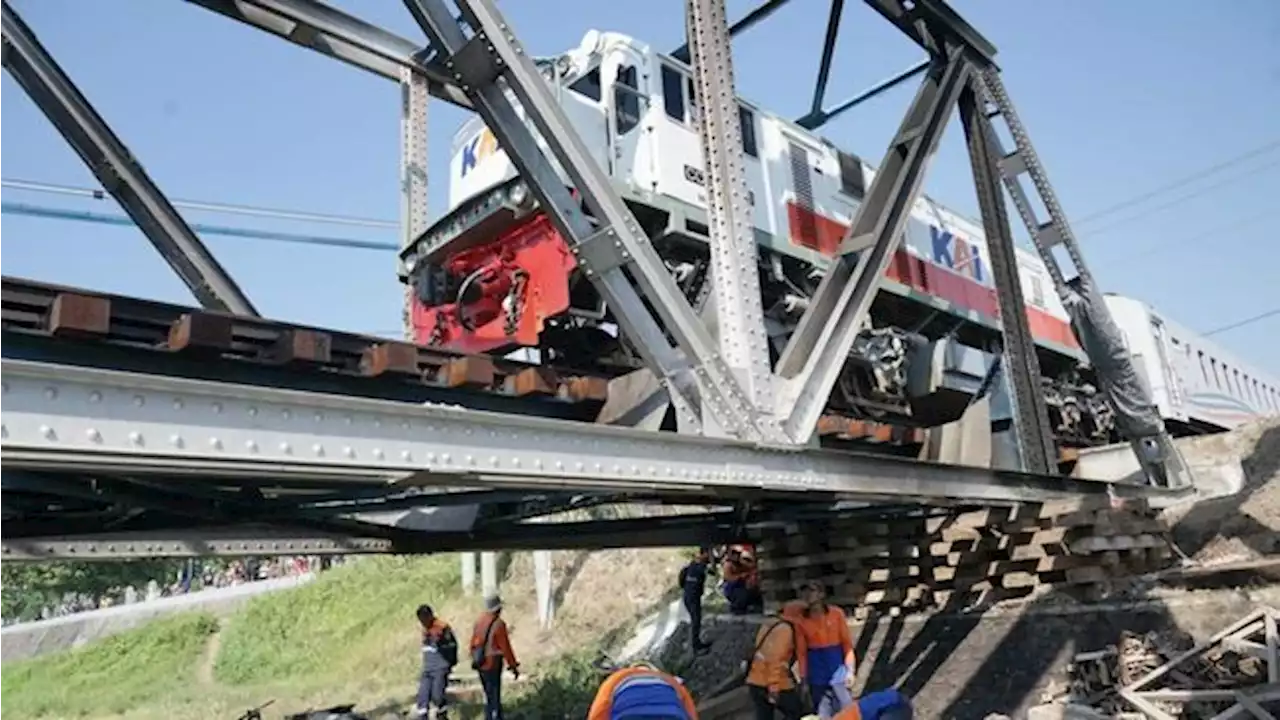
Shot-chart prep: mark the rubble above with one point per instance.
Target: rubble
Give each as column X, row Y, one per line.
column 1164, row 674
column 1246, row 524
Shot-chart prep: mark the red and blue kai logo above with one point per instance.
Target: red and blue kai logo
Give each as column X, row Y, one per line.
column 480, row 147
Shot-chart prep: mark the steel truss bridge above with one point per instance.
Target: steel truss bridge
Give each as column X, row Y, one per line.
column 134, row 428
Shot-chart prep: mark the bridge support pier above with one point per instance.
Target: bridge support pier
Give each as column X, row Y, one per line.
column 468, row 560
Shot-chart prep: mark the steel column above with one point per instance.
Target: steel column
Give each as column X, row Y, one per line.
column 115, row 167
column 414, row 99
column 828, row 54
column 615, row 252
column 756, row 16
column 1021, row 364
column 819, row 347
column 1159, row 458
column 735, row 275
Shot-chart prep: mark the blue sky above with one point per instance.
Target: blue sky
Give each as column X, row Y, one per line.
column 1120, row 99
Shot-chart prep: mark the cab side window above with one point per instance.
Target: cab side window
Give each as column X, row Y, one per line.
column 672, row 93
column 626, row 100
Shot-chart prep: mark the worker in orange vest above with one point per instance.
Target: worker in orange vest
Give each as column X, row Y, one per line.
column 771, row 681
column 642, row 691
column 888, row 704
column 490, row 647
column 439, row 655
column 829, row 660
column 741, row 582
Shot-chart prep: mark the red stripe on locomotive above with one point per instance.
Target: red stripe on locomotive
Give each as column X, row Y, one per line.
column 822, row 234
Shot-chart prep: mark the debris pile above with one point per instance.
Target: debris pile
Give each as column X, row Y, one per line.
column 1164, row 674
column 1244, row 525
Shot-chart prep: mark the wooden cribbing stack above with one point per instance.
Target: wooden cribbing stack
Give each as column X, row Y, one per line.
column 956, row 559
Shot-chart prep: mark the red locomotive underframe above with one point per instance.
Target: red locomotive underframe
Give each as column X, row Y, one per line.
column 522, row 279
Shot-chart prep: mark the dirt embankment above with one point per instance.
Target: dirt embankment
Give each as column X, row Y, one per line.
column 597, row 596
column 1244, row 526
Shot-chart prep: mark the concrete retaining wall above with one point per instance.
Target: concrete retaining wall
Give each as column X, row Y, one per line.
column 27, row 640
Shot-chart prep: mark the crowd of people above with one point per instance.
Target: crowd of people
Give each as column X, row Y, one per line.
column 191, row 577
column 801, row 664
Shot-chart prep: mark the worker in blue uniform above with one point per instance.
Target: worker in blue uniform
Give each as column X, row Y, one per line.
column 642, row 692
column 888, row 704
column 693, row 583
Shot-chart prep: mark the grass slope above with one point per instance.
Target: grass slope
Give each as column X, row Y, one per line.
column 347, row 637
column 113, row 675
column 360, row 618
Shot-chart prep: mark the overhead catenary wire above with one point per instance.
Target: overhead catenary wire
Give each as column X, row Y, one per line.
column 1218, row 232
column 227, row 208
column 1243, row 323
column 52, row 213
column 1183, row 181
column 1179, row 200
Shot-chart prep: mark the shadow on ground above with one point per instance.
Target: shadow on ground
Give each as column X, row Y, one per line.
column 968, row 666
column 971, row 665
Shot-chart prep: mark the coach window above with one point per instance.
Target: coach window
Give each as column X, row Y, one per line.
column 626, row 100
column 748, row 121
column 1037, row 291
column 673, row 93
column 588, row 85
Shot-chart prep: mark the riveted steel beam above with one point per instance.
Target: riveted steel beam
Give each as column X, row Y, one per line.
column 91, row 420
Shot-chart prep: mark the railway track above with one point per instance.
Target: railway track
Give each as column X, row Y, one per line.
column 77, row 318
column 80, row 326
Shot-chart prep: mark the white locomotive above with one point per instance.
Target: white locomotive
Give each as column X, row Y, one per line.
column 492, row 275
